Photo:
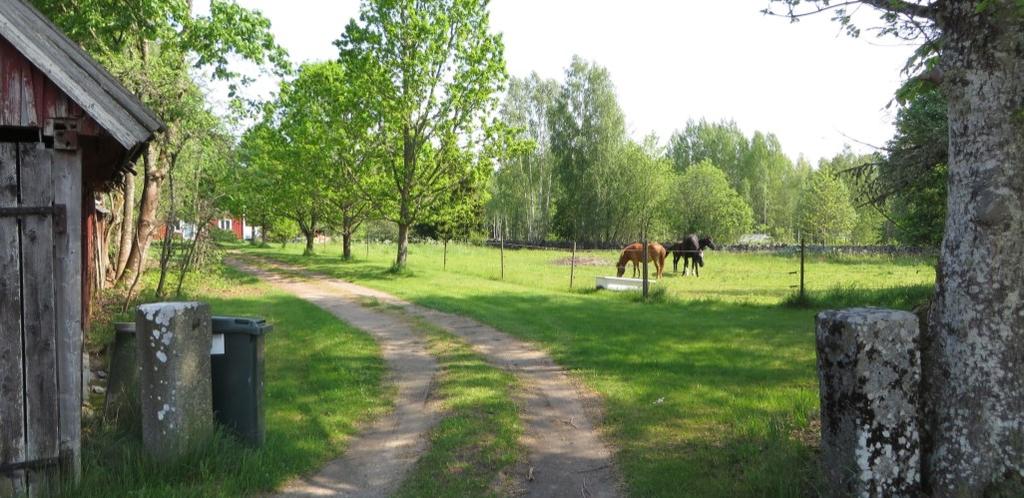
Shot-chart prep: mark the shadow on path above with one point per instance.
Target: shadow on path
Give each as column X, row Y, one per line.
column 565, row 455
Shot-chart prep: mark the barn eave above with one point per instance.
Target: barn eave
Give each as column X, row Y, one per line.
column 85, row 81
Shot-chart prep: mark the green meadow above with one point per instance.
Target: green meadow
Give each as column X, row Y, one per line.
column 709, row 387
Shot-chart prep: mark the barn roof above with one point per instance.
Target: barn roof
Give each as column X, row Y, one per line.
column 83, row 79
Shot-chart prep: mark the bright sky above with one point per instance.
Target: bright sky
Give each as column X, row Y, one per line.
column 673, row 60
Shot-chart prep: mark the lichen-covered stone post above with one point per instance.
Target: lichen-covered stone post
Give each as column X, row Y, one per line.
column 173, row 347
column 869, row 368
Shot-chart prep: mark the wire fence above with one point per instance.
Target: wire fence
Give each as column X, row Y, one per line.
column 794, row 273
column 787, row 249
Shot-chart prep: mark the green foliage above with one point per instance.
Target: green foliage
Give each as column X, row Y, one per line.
column 275, row 185
column 825, row 213
column 708, row 206
column 913, row 175
column 857, row 173
column 920, row 213
column 221, row 235
column 756, row 168
column 723, row 144
column 153, row 45
column 282, row 231
column 461, row 216
column 427, row 76
column 523, row 187
column 642, row 195
column 587, row 135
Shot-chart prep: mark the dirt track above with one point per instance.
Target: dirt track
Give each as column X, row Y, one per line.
column 565, row 454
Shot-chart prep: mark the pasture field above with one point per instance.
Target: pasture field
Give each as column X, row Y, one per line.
column 709, row 389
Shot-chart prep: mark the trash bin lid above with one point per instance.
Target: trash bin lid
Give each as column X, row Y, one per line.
column 240, row 325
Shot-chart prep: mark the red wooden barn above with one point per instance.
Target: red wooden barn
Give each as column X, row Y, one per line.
column 67, row 130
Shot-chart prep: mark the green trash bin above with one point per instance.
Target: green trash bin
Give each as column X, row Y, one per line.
column 236, row 372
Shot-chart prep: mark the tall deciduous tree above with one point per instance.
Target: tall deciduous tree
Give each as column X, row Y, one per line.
column 712, row 206
column 152, row 47
column 330, row 136
column 285, row 172
column 429, row 75
column 852, row 169
column 524, row 185
column 587, row 132
column 825, row 212
column 723, row 144
column 756, row 167
column 973, row 422
column 765, row 167
column 643, row 192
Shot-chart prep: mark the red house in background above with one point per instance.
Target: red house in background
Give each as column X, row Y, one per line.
column 234, row 225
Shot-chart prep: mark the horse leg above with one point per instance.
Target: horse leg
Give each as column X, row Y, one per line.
column 675, row 262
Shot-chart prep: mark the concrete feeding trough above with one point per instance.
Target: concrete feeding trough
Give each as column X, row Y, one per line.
column 622, row 283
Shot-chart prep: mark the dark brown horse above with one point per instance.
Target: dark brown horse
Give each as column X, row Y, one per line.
column 634, row 253
column 690, row 248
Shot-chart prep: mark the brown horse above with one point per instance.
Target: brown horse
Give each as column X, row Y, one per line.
column 634, row 253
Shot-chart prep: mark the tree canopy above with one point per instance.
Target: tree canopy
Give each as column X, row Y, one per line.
column 707, row 205
column 428, row 75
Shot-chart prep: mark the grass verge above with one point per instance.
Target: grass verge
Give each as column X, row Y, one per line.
column 323, row 381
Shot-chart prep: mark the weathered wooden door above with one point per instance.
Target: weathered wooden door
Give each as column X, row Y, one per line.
column 40, row 315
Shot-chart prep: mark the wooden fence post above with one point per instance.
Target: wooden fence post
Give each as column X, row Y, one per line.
column 802, row 250
column 501, row 235
column 572, row 265
column 444, row 264
column 644, row 249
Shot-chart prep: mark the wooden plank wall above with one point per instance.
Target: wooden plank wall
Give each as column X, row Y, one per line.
column 28, row 98
column 39, row 314
column 12, row 394
column 67, row 190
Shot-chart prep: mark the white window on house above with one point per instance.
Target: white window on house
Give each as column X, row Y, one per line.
column 225, row 224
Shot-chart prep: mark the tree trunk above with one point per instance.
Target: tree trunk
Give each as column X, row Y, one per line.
column 403, row 245
column 973, row 352
column 348, row 225
column 310, row 237
column 167, row 249
column 127, row 226
column 154, row 178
